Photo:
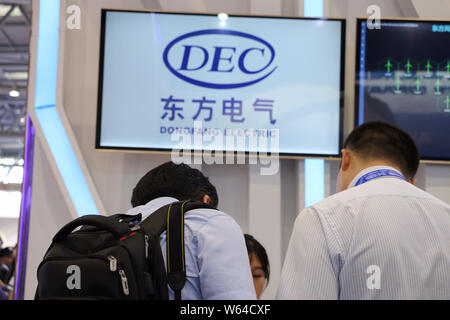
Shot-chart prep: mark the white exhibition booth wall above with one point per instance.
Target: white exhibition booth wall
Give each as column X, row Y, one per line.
column 264, row 206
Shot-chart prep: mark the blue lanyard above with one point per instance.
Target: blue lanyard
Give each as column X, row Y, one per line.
column 378, row 174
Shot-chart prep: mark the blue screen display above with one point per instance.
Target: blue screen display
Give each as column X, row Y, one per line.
column 403, row 78
column 193, row 81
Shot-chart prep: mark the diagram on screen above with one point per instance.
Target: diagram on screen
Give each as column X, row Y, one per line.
column 407, row 76
column 404, row 79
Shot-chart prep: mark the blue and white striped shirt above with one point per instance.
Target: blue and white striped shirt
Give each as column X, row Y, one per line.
column 384, row 239
column 217, row 264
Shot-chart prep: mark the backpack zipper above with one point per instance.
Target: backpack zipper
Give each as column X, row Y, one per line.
column 146, row 237
column 112, row 263
column 124, row 279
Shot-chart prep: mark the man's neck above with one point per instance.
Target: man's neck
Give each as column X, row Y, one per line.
column 379, row 163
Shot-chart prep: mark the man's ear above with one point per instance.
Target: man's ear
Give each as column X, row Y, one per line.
column 206, row 199
column 347, row 158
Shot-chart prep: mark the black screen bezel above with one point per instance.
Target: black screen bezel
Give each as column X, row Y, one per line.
column 358, row 70
column 98, row 146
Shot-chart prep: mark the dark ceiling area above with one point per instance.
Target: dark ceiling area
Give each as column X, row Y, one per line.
column 15, row 18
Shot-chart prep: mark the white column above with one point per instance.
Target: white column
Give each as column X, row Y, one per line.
column 265, row 7
column 432, row 9
column 264, row 192
column 265, row 220
column 436, row 181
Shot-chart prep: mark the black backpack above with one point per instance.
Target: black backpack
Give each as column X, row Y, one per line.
column 117, row 257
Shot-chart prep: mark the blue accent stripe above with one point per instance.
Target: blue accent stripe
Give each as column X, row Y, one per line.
column 314, row 8
column 314, row 181
column 362, row 73
column 66, row 160
column 314, row 168
column 47, row 55
column 45, row 99
column 44, row 107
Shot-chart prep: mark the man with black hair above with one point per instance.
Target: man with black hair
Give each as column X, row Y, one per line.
column 217, row 266
column 380, row 237
column 177, row 181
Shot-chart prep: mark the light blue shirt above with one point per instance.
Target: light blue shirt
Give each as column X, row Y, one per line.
column 217, row 264
column 384, row 239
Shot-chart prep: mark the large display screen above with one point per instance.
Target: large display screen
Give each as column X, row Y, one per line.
column 237, row 83
column 403, row 78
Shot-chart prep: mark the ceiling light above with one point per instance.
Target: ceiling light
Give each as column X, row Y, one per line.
column 17, row 75
column 14, row 93
column 222, row 16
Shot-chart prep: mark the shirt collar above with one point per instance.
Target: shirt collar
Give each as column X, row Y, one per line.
column 367, row 170
column 151, row 206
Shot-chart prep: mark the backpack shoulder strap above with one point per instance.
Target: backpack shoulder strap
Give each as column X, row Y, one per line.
column 170, row 218
column 176, row 268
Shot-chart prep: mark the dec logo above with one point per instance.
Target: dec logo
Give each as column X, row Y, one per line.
column 219, row 59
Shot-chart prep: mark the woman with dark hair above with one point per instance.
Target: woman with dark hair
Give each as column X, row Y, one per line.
column 259, row 264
